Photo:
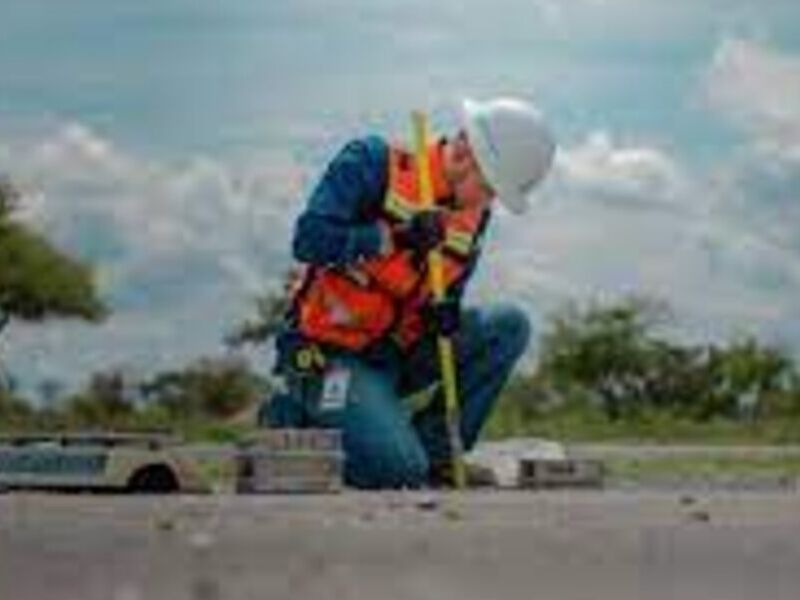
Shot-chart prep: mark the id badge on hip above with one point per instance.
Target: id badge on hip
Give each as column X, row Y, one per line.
column 335, row 388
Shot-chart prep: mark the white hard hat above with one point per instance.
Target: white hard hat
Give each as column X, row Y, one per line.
column 512, row 145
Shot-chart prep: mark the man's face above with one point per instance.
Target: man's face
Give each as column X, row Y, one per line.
column 461, row 169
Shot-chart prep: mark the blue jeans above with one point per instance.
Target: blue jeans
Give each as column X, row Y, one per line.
column 387, row 445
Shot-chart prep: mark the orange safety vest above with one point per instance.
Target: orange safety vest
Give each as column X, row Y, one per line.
column 354, row 306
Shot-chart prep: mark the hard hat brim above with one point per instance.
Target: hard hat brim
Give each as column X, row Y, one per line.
column 480, row 141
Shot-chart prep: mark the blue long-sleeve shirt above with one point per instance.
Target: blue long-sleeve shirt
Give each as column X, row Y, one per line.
column 338, row 225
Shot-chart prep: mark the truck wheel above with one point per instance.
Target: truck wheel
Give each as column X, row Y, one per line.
column 153, row 479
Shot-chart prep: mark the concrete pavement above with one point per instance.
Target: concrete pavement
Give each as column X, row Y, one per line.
column 392, row 546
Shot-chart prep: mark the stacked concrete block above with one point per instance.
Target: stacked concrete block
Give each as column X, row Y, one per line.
column 291, row 461
column 564, row 473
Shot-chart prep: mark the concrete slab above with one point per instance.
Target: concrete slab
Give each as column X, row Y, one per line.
column 503, row 457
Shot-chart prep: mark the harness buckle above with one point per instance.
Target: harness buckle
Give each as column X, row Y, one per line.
column 309, row 357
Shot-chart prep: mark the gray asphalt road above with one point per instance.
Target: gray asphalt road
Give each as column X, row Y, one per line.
column 487, row 546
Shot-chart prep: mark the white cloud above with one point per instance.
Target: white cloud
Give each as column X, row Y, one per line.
column 152, row 211
column 627, row 174
column 76, row 153
column 757, row 89
column 181, row 247
column 622, row 218
column 721, row 246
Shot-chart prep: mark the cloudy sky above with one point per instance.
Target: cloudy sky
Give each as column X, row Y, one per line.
column 172, row 142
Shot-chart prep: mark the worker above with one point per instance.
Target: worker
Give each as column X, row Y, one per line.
column 358, row 349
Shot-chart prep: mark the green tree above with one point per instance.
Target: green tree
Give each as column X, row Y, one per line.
column 37, row 281
column 105, row 402
column 745, row 369
column 271, row 309
column 606, row 350
column 612, row 354
column 15, row 412
column 209, row 388
column 9, row 197
column 674, row 378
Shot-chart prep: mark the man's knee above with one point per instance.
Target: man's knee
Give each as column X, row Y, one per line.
column 510, row 326
column 386, row 467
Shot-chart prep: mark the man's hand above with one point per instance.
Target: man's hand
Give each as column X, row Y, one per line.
column 423, row 232
column 443, row 317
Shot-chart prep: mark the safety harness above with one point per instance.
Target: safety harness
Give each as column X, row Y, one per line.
column 364, row 303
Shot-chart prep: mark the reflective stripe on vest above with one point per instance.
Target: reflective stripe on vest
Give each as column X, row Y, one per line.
column 363, row 303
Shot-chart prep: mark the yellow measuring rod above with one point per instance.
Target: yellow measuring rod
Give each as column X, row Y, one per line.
column 447, row 361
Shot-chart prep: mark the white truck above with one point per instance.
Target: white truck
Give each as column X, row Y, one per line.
column 271, row 461
column 128, row 462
